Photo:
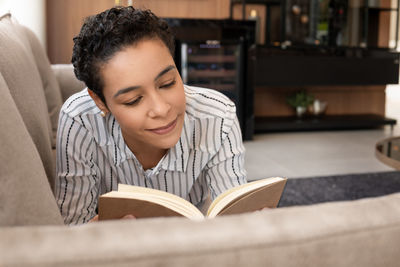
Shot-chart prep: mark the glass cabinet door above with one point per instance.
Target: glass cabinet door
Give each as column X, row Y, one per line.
column 334, row 23
column 212, row 65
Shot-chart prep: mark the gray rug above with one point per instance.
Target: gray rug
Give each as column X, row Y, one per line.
column 306, row 191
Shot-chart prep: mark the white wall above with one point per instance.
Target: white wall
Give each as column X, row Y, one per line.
column 31, row 13
column 393, row 101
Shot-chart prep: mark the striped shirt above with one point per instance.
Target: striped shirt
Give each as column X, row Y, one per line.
column 92, row 157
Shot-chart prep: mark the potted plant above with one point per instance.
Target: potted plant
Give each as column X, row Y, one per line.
column 300, row 101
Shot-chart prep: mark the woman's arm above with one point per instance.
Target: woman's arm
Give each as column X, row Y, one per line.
column 226, row 169
column 77, row 177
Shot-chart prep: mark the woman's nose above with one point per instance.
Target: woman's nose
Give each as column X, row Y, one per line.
column 159, row 107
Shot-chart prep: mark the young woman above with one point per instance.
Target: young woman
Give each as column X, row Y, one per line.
column 137, row 123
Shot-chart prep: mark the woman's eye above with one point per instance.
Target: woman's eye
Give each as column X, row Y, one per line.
column 134, row 101
column 167, row 85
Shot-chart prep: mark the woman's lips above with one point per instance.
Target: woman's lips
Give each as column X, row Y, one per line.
column 165, row 129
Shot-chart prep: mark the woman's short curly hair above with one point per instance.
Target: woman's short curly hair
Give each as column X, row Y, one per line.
column 106, row 33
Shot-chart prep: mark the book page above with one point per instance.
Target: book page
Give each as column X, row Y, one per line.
column 231, row 196
column 164, row 198
column 267, row 196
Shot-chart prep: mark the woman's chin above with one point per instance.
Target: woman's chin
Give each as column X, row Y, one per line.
column 166, row 143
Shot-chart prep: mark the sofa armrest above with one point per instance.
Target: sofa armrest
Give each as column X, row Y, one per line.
column 67, row 81
column 354, row 233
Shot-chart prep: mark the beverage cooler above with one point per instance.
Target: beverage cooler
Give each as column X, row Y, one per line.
column 213, row 65
column 216, row 58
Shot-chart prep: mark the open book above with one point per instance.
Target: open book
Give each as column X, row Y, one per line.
column 145, row 202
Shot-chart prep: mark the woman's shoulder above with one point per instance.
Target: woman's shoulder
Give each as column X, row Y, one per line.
column 80, row 104
column 208, row 103
column 80, row 110
column 210, row 115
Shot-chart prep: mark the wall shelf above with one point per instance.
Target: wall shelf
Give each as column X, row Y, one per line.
column 325, row 122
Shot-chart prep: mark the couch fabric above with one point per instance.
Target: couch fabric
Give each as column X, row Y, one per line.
column 66, row 79
column 354, row 233
column 27, row 75
column 25, row 194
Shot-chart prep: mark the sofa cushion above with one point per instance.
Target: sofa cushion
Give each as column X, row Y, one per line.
column 67, row 80
column 354, row 233
column 22, row 75
column 50, row 84
column 25, row 195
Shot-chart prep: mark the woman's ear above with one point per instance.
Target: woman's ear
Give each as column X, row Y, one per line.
column 99, row 103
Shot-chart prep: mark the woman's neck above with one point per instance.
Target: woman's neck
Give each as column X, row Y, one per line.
column 148, row 156
column 150, row 159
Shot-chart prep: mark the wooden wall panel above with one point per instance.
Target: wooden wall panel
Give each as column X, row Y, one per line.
column 201, row 9
column 65, row 18
column 342, row 100
column 384, row 29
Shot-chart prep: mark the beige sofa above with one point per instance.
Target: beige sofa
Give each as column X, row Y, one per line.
column 356, row 233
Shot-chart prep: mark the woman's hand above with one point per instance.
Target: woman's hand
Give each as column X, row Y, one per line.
column 129, row 216
column 96, row 218
column 263, row 209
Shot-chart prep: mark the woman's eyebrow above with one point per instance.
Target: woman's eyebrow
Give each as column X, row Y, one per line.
column 126, row 90
column 170, row 67
column 131, row 88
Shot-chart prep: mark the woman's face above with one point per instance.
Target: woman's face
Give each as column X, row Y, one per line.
column 144, row 92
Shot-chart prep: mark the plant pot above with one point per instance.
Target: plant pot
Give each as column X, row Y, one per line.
column 300, row 111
